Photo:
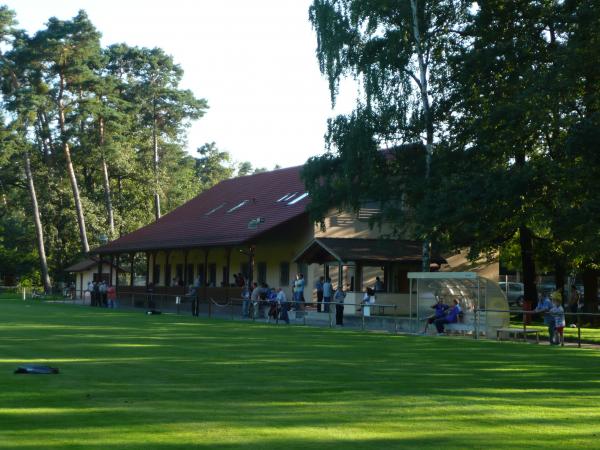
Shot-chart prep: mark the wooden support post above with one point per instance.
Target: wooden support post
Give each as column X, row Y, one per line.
column 185, row 271
column 132, row 256
column 167, row 278
column 228, row 259
column 205, row 277
column 99, row 269
column 117, row 258
column 112, row 263
column 147, row 269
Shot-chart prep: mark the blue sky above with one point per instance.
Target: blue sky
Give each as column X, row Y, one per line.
column 254, row 61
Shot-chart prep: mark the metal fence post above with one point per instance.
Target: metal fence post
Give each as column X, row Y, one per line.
column 363, row 318
column 578, row 331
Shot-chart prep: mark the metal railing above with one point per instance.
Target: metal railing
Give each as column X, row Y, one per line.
column 574, row 320
column 380, row 317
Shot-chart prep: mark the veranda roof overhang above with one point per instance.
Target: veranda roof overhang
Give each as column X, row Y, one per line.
column 346, row 251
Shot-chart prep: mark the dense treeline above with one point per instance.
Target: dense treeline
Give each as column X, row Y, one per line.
column 502, row 101
column 92, row 144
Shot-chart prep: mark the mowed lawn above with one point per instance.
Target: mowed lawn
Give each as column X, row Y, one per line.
column 131, row 381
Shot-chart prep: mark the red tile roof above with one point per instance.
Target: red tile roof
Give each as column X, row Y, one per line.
column 190, row 225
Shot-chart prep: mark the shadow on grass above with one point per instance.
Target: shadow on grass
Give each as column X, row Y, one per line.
column 134, row 381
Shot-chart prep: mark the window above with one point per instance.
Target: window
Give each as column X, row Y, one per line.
column 214, row 209
column 284, row 274
column 261, row 272
column 201, row 274
column 167, row 274
column 156, row 274
column 284, row 197
column 212, row 274
column 225, row 281
column 190, row 274
column 179, row 274
column 239, row 205
column 297, row 199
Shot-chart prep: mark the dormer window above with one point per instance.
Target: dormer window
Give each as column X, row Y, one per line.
column 299, row 198
column 238, row 206
column 214, row 209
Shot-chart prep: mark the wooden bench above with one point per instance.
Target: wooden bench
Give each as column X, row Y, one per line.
column 518, row 331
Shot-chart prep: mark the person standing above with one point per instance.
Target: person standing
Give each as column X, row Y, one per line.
column 283, row 305
column 96, row 294
column 299, row 291
column 339, row 297
column 319, row 289
column 558, row 314
column 327, row 294
column 111, row 295
column 103, row 298
column 378, row 286
column 543, row 307
column 254, row 299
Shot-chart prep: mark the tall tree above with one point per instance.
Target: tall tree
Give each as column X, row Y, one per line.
column 16, row 95
column 68, row 52
column 212, row 166
column 164, row 108
column 396, row 50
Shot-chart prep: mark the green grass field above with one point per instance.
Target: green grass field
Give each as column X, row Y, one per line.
column 131, row 381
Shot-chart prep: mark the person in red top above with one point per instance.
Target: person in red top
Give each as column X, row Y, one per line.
column 111, row 295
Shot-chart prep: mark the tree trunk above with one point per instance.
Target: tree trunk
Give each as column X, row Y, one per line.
column 590, row 291
column 156, row 181
column 38, row 226
column 76, row 197
column 424, row 90
column 526, row 241
column 106, row 182
column 559, row 278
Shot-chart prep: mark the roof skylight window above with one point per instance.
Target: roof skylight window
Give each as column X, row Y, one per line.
column 214, row 209
column 297, row 199
column 238, row 206
column 284, row 197
column 288, row 197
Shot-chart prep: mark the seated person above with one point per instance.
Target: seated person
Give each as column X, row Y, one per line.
column 450, row 317
column 440, row 309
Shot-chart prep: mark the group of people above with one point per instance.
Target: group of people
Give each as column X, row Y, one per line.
column 102, row 294
column 326, row 296
column 443, row 314
column 258, row 295
column 554, row 317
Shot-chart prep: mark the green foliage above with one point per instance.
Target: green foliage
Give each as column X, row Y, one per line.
column 213, row 166
column 118, row 103
column 512, row 127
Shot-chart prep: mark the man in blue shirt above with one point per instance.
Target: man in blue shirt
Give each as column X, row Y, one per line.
column 319, row 289
column 440, row 309
column 544, row 306
column 327, row 294
column 450, row 317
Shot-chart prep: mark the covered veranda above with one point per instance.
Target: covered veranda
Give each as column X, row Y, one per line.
column 357, row 263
